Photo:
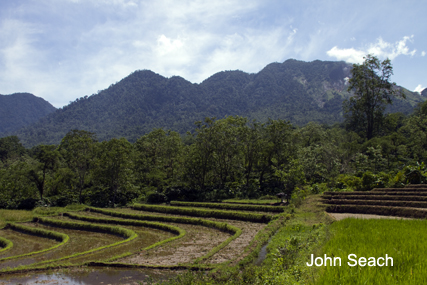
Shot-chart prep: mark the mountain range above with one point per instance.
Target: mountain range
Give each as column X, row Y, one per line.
column 293, row 90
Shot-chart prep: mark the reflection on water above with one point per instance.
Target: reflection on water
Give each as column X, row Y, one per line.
column 90, row 276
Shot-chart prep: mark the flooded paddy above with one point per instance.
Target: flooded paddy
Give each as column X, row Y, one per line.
column 90, row 276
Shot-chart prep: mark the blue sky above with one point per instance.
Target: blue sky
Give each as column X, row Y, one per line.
column 64, row 49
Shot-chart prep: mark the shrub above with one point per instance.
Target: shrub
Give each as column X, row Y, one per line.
column 345, row 181
column 156, row 198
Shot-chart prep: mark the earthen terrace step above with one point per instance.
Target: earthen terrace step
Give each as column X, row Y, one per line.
column 407, row 204
column 374, row 197
column 379, row 210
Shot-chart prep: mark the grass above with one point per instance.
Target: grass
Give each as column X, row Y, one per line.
column 252, row 201
column 12, row 216
column 17, row 216
column 198, row 212
column 60, row 237
column 236, row 232
column 224, row 206
column 403, row 240
column 5, row 244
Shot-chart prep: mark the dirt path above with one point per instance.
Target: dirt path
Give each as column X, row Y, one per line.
column 340, row 216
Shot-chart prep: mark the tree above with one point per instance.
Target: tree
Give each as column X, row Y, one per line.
column 158, row 158
column 77, row 148
column 113, row 171
column 372, row 92
column 47, row 157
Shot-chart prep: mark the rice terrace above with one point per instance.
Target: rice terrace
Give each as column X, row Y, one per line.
column 192, row 237
column 195, row 236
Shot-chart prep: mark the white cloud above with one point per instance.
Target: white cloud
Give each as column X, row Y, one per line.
column 381, row 49
column 419, row 88
column 423, row 53
column 349, row 55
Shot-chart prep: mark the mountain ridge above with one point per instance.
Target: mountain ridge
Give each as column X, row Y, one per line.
column 294, row 90
column 18, row 110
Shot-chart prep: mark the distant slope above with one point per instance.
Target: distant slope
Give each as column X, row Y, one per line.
column 293, row 90
column 21, row 109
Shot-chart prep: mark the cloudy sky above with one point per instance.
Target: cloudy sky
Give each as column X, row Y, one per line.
column 64, row 49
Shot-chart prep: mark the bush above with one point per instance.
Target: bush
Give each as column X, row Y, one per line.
column 415, row 174
column 345, row 181
column 368, row 181
column 27, row 204
column 156, row 198
column 319, row 188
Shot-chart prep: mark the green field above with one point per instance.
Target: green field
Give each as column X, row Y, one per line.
column 403, row 240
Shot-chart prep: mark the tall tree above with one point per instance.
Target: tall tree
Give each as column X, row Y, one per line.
column 113, row 170
column 158, row 158
column 77, row 148
column 373, row 90
column 47, row 159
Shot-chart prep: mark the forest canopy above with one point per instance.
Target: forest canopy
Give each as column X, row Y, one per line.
column 223, row 158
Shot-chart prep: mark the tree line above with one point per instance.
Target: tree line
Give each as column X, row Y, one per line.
column 225, row 158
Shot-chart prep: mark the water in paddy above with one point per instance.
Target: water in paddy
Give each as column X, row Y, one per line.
column 91, row 276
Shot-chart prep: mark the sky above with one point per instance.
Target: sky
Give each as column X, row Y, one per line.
column 61, row 50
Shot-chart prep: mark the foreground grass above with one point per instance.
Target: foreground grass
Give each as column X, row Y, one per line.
column 403, row 240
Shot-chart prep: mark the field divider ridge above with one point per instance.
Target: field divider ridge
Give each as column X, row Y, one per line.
column 219, row 214
column 5, row 244
column 61, row 237
column 224, row 227
column 378, row 210
column 127, row 234
column 173, row 229
column 224, row 206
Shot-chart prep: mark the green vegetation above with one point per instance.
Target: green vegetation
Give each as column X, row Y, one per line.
column 5, row 244
column 231, row 158
column 252, row 201
column 183, row 220
column 401, row 240
column 62, row 238
column 229, row 207
column 373, row 91
column 232, row 215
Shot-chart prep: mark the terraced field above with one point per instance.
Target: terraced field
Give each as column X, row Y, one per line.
column 196, row 236
column 409, row 202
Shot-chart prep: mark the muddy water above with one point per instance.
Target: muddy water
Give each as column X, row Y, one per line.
column 262, row 254
column 91, row 276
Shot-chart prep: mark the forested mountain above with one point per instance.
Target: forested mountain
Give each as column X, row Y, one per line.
column 21, row 109
column 293, row 90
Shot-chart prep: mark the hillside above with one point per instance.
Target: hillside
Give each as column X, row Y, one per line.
column 21, row 109
column 293, row 90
